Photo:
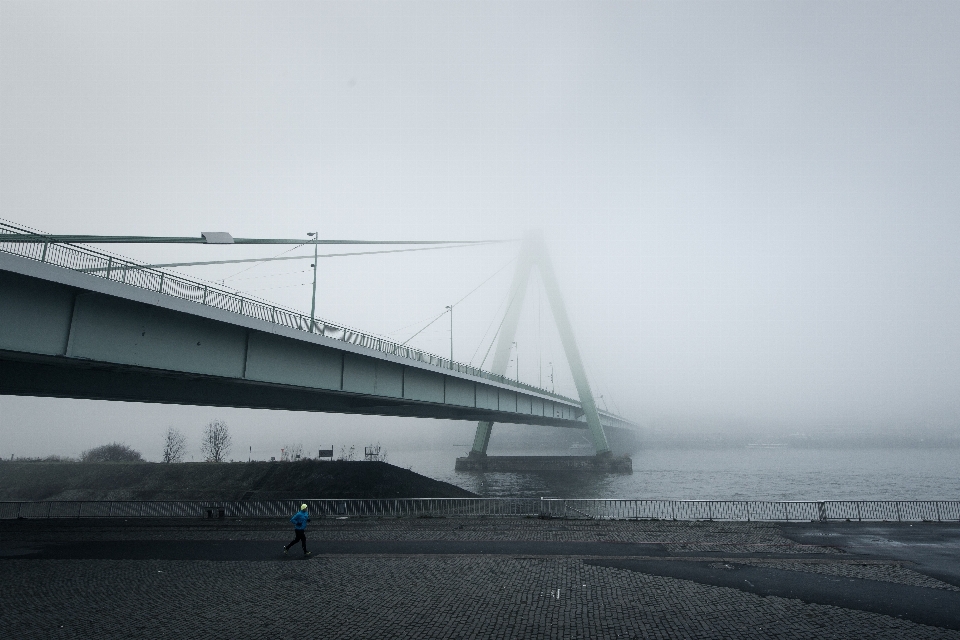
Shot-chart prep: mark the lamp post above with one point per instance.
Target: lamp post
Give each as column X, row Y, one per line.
column 516, row 355
column 313, row 299
column 450, row 309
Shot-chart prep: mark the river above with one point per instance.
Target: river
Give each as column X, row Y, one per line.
column 725, row 474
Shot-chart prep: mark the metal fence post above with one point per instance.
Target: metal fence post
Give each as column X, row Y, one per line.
column 822, row 509
column 109, row 266
column 43, row 255
column 160, row 290
column 937, row 505
column 898, row 511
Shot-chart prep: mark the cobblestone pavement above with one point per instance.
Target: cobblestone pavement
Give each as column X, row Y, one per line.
column 695, row 536
column 420, row 596
column 410, row 597
column 884, row 572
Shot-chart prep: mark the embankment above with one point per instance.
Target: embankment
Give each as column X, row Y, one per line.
column 216, row 481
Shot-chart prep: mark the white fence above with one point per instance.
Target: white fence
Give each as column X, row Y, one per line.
column 598, row 509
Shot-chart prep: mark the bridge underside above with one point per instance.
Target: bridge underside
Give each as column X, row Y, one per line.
column 58, row 377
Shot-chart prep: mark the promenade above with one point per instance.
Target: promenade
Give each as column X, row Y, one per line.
column 478, row 578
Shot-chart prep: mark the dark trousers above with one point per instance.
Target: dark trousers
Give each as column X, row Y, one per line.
column 302, row 537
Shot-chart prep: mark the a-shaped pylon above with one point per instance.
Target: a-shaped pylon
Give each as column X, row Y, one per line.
column 534, row 252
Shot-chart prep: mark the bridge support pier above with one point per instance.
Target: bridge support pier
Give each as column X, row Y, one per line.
column 482, row 439
column 606, row 463
column 533, row 252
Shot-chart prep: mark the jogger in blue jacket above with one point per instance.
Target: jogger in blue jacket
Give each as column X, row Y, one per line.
column 299, row 520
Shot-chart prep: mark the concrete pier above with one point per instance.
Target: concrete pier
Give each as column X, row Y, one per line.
column 601, row 463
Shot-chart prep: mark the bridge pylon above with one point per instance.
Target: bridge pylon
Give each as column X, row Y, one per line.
column 533, row 252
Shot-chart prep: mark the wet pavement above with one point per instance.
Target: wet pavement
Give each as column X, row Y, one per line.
column 483, row 577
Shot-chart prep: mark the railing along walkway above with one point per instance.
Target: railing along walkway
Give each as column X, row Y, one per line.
column 126, row 271
column 602, row 509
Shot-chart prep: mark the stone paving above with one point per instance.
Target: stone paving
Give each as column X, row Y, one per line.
column 884, row 572
column 413, row 596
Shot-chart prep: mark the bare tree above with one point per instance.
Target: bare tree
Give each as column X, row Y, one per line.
column 347, row 454
column 216, row 441
column 174, row 446
column 291, row 452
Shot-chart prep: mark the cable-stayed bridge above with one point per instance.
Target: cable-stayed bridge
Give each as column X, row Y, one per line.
column 81, row 323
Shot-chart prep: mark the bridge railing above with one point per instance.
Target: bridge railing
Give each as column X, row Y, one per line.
column 126, row 271
column 594, row 509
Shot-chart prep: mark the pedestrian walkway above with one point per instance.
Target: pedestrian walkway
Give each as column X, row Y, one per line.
column 488, row 577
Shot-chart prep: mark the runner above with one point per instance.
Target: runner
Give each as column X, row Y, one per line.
column 299, row 520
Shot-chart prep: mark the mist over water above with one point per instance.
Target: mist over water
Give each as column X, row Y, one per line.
column 751, row 208
column 727, row 474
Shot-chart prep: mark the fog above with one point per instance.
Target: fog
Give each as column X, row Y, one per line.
column 752, row 208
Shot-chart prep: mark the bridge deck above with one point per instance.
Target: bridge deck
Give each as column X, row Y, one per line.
column 87, row 332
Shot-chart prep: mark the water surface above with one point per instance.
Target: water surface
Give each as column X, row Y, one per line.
column 726, row 474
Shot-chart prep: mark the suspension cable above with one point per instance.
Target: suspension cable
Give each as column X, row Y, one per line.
column 512, row 298
column 483, row 337
column 443, row 313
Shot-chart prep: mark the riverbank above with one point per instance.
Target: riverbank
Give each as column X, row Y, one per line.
column 216, row 481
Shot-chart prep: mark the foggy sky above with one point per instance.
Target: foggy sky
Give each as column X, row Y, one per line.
column 752, row 207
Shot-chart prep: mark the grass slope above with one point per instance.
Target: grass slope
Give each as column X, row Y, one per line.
column 211, row 481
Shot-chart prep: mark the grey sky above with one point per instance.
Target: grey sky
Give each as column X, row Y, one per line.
column 753, row 207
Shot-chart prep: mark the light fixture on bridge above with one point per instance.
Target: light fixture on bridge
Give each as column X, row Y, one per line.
column 216, row 237
column 313, row 299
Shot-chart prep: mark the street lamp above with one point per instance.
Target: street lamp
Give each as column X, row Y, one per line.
column 516, row 355
column 552, row 390
column 313, row 300
column 450, row 309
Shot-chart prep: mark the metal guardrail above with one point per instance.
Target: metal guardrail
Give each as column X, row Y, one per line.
column 126, row 271
column 753, row 510
column 595, row 509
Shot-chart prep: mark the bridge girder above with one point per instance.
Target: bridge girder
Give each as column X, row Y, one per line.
column 71, row 334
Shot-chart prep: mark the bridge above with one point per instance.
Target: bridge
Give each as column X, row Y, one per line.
column 82, row 323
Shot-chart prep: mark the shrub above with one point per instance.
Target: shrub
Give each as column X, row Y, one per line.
column 115, row 452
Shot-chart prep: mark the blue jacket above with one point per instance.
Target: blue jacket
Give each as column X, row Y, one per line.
column 300, row 520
